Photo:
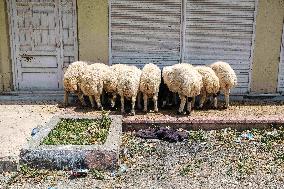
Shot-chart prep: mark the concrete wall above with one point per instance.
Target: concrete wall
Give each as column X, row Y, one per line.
column 5, row 63
column 93, row 30
column 269, row 23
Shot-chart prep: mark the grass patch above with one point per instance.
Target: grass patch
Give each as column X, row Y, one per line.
column 79, row 131
column 197, row 136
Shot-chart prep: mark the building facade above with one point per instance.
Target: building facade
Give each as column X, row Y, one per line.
column 40, row 38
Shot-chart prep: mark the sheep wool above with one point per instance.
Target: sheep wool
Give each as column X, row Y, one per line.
column 72, row 78
column 185, row 80
column 211, row 85
column 92, row 82
column 150, row 83
column 128, row 84
column 227, row 78
column 111, row 81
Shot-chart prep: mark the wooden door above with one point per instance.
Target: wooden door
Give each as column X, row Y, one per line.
column 38, row 42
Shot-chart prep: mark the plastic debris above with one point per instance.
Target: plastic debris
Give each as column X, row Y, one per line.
column 79, row 172
column 123, row 168
column 248, row 136
column 34, row 131
column 113, row 174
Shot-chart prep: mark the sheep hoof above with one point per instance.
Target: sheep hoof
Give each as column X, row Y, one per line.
column 156, row 111
column 179, row 113
column 198, row 107
column 113, row 109
column 132, row 113
column 145, row 111
column 188, row 112
column 225, row 107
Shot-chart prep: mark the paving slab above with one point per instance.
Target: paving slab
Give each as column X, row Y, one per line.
column 16, row 123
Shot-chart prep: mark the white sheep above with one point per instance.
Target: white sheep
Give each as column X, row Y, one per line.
column 184, row 80
column 71, row 80
column 227, row 78
column 92, row 82
column 111, row 80
column 150, row 83
column 210, row 82
column 128, row 84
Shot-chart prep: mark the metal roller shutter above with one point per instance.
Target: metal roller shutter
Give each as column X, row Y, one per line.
column 144, row 31
column 220, row 30
column 281, row 67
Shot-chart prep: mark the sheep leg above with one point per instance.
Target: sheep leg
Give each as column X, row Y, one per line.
column 192, row 102
column 92, row 101
column 155, row 99
column 182, row 104
column 215, row 100
column 145, row 99
column 98, row 101
column 122, row 104
column 202, row 99
column 139, row 100
column 112, row 101
column 81, row 98
column 66, row 95
column 227, row 93
column 174, row 98
column 189, row 105
column 133, row 100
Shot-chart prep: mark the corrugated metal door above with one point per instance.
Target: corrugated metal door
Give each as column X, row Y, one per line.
column 41, row 33
column 220, row 30
column 281, row 66
column 144, row 31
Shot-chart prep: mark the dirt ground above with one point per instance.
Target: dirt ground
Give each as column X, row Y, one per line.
column 18, row 118
column 208, row 159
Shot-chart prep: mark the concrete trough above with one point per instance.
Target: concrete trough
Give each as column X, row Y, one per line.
column 68, row 157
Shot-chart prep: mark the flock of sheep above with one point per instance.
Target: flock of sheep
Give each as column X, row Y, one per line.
column 128, row 81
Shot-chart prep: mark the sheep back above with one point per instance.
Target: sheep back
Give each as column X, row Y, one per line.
column 183, row 78
column 225, row 73
column 93, row 78
column 150, row 79
column 209, row 79
column 128, row 81
column 72, row 76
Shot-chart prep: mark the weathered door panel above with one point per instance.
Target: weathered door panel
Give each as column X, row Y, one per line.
column 38, row 30
column 145, row 31
column 221, row 30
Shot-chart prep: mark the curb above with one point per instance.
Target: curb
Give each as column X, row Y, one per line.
column 216, row 123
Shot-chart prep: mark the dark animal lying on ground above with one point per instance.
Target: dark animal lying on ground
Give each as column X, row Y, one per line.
column 163, row 133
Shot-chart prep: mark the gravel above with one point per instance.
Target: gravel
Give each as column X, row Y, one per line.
column 208, row 159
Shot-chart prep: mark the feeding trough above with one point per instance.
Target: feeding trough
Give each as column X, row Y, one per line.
column 49, row 150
